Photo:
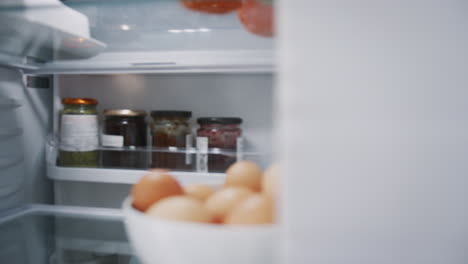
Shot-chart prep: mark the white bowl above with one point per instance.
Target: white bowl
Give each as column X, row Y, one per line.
column 158, row 241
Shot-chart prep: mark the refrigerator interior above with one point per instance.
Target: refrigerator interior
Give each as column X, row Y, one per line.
column 372, row 107
column 149, row 55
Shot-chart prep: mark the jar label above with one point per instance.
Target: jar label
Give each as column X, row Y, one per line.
column 239, row 148
column 202, row 154
column 112, row 141
column 79, row 133
column 188, row 148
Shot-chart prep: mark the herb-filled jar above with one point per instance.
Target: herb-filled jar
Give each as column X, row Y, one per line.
column 126, row 130
column 79, row 138
column 219, row 134
column 172, row 136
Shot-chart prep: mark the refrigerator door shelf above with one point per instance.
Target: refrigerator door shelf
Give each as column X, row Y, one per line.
column 9, row 104
column 8, row 133
column 12, row 172
column 211, row 61
column 44, row 30
column 128, row 175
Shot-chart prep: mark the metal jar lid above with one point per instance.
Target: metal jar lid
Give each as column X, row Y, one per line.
column 219, row 120
column 171, row 114
column 79, row 101
column 124, row 113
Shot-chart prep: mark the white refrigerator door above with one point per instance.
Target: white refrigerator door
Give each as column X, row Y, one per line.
column 24, row 122
column 373, row 106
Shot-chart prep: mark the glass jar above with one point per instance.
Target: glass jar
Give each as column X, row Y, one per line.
column 79, row 140
column 223, row 134
column 172, row 136
column 124, row 128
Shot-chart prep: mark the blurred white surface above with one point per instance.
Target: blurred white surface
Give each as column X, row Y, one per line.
column 375, row 133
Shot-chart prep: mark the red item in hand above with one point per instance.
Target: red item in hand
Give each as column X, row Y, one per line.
column 213, row 6
column 257, row 17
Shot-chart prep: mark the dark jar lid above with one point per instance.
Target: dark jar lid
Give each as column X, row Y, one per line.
column 124, row 113
column 219, row 120
column 171, row 114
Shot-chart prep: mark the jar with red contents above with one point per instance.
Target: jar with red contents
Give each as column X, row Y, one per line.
column 223, row 135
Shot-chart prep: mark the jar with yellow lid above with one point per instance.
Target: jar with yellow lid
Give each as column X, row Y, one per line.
column 79, row 137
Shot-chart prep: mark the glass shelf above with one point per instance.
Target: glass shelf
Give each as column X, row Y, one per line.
column 45, row 234
column 126, row 174
column 147, row 35
column 165, row 25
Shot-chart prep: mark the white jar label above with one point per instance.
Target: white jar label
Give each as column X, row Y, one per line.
column 188, row 149
column 112, row 141
column 79, row 133
column 240, row 149
column 202, row 154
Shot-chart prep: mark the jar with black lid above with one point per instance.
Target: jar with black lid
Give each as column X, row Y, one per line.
column 223, row 135
column 126, row 130
column 172, row 138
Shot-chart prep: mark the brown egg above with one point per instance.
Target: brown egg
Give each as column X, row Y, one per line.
column 159, row 170
column 153, row 187
column 180, row 208
column 270, row 181
column 244, row 174
column 256, row 209
column 221, row 202
column 199, row 191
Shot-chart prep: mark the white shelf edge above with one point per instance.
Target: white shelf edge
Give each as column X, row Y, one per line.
column 63, row 210
column 75, row 211
column 215, row 61
column 158, row 70
column 125, row 176
column 96, row 246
